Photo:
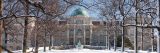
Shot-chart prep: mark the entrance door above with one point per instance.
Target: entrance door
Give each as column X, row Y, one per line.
column 70, row 41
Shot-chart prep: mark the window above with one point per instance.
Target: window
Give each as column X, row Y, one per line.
column 71, row 30
column 78, row 32
column 87, row 41
column 79, row 22
column 70, row 41
column 87, row 29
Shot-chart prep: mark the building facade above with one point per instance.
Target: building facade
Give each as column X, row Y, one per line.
column 80, row 27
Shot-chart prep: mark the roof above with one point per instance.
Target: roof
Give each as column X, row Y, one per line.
column 80, row 12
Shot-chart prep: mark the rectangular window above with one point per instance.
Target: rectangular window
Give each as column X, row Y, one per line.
column 87, row 41
column 79, row 22
column 70, row 41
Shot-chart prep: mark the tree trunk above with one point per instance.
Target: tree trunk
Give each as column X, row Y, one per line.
column 152, row 36
column 37, row 45
column 108, row 42
column 44, row 45
column 1, row 24
column 142, row 39
column 135, row 37
column 5, row 34
column 50, row 42
column 44, row 41
column 115, row 42
column 1, row 30
column 152, row 42
column 123, row 34
column 1, row 8
column 106, row 37
column 142, row 22
column 115, row 39
column 158, row 43
column 25, row 37
column 158, row 39
column 25, row 29
column 36, row 38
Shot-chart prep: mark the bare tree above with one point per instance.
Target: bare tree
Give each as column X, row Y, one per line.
column 1, row 25
column 108, row 11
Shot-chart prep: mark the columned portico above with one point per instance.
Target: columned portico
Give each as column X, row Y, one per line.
column 79, row 28
column 82, row 30
column 79, row 34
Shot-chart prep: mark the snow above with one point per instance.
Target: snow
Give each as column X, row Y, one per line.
column 80, row 51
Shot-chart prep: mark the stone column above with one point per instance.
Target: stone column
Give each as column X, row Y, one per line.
column 84, row 33
column 74, row 34
column 68, row 33
column 90, row 34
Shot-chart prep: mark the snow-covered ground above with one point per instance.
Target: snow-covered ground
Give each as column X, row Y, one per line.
column 74, row 51
column 80, row 51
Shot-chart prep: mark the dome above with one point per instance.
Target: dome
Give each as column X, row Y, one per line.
column 80, row 11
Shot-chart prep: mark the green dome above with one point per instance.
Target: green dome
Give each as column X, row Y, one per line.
column 80, row 11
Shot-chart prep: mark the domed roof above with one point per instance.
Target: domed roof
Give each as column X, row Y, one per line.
column 80, row 11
